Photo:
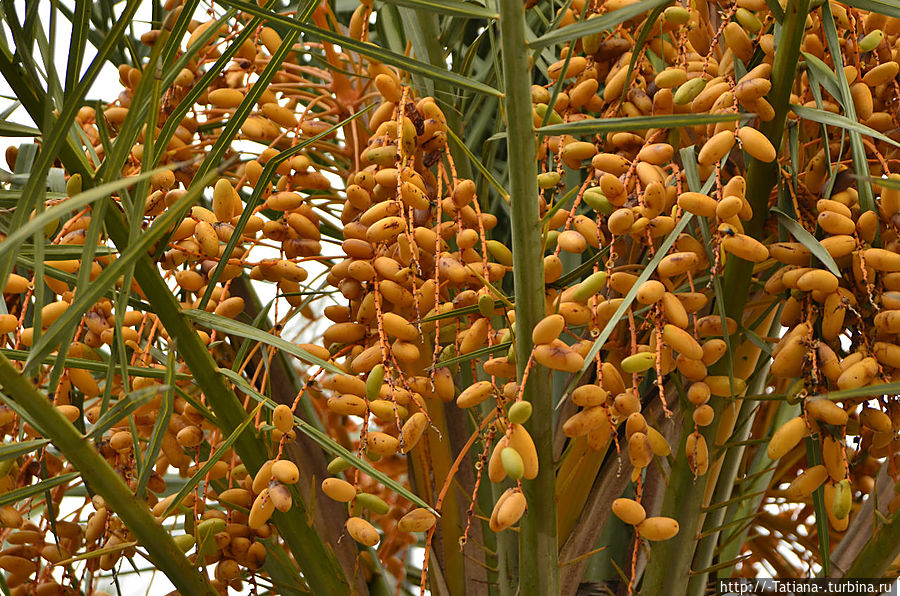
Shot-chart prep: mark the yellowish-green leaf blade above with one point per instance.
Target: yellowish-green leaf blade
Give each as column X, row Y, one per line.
column 885, row 7
column 402, row 62
column 33, row 490
column 13, row 450
column 597, row 25
column 825, row 117
column 236, row 328
column 466, row 10
column 14, row 129
column 605, row 125
column 807, row 240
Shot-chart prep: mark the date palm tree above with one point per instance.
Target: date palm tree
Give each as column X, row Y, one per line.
column 467, row 297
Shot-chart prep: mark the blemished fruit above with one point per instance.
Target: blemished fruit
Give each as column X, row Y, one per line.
column 283, row 418
column 285, row 471
column 417, row 520
column 362, row 531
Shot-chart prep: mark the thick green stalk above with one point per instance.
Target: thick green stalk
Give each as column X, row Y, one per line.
column 879, row 553
column 316, row 559
column 101, row 477
column 728, row 475
column 538, row 549
column 757, row 479
column 506, row 552
column 708, row 545
column 669, row 563
column 854, row 555
column 669, row 567
column 329, row 515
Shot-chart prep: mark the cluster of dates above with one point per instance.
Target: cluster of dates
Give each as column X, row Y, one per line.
column 419, row 279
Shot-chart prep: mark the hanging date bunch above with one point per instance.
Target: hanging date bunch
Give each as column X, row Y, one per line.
column 686, row 213
column 214, row 215
column 294, row 306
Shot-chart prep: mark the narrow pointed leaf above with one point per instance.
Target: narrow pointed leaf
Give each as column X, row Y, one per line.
column 98, row 552
column 329, row 444
column 94, row 365
column 585, row 268
column 605, row 125
column 886, row 182
column 825, row 117
column 870, row 390
column 597, row 25
column 885, row 7
column 807, row 240
column 486, row 351
column 824, row 75
column 466, row 10
column 246, row 331
column 456, row 313
column 27, row 492
column 13, row 450
column 370, row 50
column 14, row 129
